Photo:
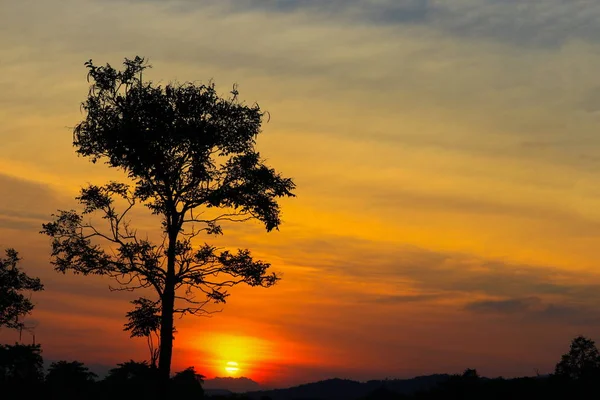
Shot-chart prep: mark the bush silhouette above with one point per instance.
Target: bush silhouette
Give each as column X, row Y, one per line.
column 69, row 380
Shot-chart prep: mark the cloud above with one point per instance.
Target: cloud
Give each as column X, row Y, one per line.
column 22, row 197
column 509, row 306
column 536, row 23
column 474, row 203
column 409, row 298
column 18, row 223
column 390, row 70
column 568, row 314
column 370, row 11
column 533, row 309
column 415, row 274
column 25, row 204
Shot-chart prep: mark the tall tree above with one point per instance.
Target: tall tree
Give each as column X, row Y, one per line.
column 14, row 283
column 190, row 155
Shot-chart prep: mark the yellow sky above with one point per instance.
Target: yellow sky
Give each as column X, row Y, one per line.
column 447, row 162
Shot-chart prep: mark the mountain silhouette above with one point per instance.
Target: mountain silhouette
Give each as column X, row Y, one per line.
column 337, row 389
column 235, row 385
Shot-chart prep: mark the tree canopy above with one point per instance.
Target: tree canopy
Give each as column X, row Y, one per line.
column 14, row 283
column 144, row 321
column 64, row 373
column 581, row 362
column 20, row 365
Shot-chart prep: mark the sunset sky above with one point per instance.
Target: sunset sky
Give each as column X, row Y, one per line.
column 447, row 162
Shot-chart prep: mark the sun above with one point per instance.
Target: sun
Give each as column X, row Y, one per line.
column 232, row 367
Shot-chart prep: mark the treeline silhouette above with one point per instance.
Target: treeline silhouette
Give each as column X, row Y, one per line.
column 576, row 376
column 22, row 376
column 466, row 386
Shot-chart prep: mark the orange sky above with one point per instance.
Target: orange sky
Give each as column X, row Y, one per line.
column 447, row 162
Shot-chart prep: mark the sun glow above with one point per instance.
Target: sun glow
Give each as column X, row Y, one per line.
column 232, row 367
column 236, row 355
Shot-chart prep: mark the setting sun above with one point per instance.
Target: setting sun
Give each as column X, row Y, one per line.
column 236, row 355
column 232, row 367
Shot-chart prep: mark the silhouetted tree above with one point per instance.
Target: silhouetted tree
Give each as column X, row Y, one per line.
column 582, row 362
column 131, row 371
column 189, row 153
column 470, row 374
column 69, row 373
column 13, row 282
column 187, row 384
column 144, row 321
column 21, row 370
column 69, row 379
column 132, row 380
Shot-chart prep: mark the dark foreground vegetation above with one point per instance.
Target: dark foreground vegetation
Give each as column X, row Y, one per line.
column 576, row 376
column 22, row 377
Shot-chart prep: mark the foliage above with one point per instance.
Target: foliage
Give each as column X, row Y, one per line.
column 582, row 362
column 130, row 371
column 69, row 380
column 132, row 379
column 21, row 364
column 13, row 282
column 21, row 371
column 188, row 375
column 144, row 321
column 187, row 384
column 65, row 373
column 139, row 379
column 191, row 157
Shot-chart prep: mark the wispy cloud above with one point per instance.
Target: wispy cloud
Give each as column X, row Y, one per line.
column 509, row 306
column 534, row 310
column 405, row 298
column 547, row 23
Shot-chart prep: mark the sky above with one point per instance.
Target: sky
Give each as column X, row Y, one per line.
column 447, row 165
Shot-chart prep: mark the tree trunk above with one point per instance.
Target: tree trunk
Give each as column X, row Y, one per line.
column 166, row 320
column 166, row 334
column 166, row 340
